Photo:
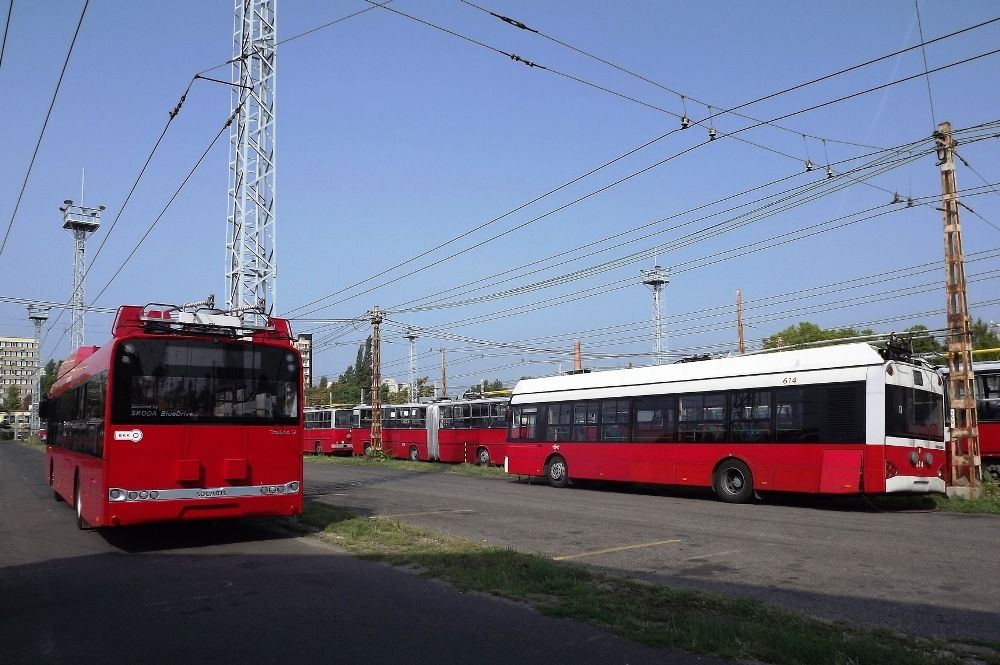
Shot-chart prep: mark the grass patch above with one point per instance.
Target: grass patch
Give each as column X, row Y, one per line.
column 384, row 462
column 989, row 502
column 34, row 443
column 648, row 613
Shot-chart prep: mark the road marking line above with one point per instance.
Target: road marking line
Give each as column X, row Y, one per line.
column 429, row 512
column 615, row 549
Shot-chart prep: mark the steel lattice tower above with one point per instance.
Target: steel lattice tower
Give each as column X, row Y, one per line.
column 81, row 222
column 251, row 270
column 38, row 316
column 656, row 279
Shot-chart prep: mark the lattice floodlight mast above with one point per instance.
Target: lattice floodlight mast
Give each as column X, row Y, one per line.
column 38, row 316
column 81, row 221
column 252, row 269
column 656, row 279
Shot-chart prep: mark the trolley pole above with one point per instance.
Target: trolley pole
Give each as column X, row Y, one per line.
column 966, row 466
column 376, row 318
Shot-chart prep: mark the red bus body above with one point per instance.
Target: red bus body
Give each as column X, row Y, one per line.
column 361, row 430
column 404, row 431
column 468, row 431
column 987, row 375
column 833, row 420
column 181, row 416
column 327, row 430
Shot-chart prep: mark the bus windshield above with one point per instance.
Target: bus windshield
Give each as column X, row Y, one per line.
column 171, row 381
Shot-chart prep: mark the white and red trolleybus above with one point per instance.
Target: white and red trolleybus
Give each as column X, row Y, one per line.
column 831, row 420
column 361, row 429
column 181, row 416
column 327, row 430
column 468, row 431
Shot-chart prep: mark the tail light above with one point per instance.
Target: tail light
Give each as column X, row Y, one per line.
column 890, row 470
column 940, row 473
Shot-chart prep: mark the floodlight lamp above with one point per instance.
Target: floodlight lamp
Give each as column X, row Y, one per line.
column 68, row 202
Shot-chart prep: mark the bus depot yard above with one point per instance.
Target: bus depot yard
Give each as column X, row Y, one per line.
column 410, row 535
column 626, row 603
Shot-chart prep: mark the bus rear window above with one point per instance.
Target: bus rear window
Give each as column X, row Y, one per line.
column 171, row 381
column 912, row 413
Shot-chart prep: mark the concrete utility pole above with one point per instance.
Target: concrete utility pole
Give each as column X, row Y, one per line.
column 251, row 262
column 741, row 344
column 411, row 337
column 82, row 222
column 444, row 375
column 656, row 279
column 38, row 316
column 376, row 318
column 966, row 465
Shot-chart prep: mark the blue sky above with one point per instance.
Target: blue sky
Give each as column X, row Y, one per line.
column 394, row 137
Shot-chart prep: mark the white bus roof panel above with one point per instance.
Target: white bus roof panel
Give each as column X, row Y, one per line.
column 846, row 362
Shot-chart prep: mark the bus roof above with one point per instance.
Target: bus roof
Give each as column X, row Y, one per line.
column 829, row 357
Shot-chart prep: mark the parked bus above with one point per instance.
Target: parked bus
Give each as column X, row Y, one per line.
column 988, row 411
column 987, row 386
column 471, row 431
column 183, row 415
column 831, row 420
column 327, row 430
column 404, row 431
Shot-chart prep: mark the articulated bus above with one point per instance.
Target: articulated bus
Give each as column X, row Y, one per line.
column 183, row 415
column 327, row 430
column 472, row 431
column 832, row 420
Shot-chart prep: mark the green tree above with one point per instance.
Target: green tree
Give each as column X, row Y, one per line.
column 984, row 336
column 49, row 375
column 806, row 332
column 921, row 343
column 12, row 400
column 324, row 382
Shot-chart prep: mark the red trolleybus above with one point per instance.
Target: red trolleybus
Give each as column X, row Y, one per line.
column 469, row 431
column 832, row 420
column 327, row 430
column 182, row 416
column 988, row 412
column 361, row 430
column 404, row 431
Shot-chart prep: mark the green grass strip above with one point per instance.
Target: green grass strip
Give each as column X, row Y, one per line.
column 391, row 463
column 648, row 613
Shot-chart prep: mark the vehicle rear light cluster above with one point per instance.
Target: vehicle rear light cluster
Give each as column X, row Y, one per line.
column 890, row 470
column 287, row 488
column 940, row 473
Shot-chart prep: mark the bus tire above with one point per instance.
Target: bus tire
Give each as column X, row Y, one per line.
column 733, row 482
column 319, row 449
column 556, row 471
column 369, row 451
column 483, row 457
column 414, row 454
column 992, row 469
column 81, row 523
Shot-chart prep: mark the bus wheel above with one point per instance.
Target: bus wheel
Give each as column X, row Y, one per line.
column 369, row 451
column 733, row 482
column 78, row 503
column 992, row 469
column 319, row 449
column 556, row 472
column 483, row 456
column 414, row 455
